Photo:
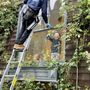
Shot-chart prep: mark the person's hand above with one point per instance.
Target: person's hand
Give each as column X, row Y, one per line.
column 49, row 26
column 48, row 35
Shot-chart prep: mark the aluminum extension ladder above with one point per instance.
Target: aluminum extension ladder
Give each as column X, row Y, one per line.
column 18, row 60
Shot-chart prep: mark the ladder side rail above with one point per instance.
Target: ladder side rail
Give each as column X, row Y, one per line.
column 19, row 65
column 22, row 56
column 17, row 71
column 6, row 70
column 30, row 36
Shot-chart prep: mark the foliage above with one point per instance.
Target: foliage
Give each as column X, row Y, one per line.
column 79, row 21
column 31, row 63
column 64, row 82
column 5, row 56
column 77, row 56
column 77, row 29
column 29, row 85
column 8, row 19
column 88, row 59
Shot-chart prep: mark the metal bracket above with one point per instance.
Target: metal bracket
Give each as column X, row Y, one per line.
column 35, row 22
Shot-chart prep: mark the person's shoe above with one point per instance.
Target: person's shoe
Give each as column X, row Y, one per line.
column 19, row 46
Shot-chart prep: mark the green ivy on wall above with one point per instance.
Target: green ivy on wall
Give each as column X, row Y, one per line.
column 8, row 20
column 78, row 27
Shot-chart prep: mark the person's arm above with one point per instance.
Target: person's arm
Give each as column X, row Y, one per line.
column 50, row 38
column 57, row 45
column 44, row 14
column 44, row 11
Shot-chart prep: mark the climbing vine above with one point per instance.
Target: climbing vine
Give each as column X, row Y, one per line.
column 78, row 29
column 8, row 20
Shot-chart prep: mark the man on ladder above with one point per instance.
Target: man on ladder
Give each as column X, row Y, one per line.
column 29, row 12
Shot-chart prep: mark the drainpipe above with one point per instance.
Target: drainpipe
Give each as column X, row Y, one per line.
column 77, row 68
column 64, row 26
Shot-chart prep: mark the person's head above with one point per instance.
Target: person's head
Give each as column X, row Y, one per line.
column 56, row 35
column 36, row 57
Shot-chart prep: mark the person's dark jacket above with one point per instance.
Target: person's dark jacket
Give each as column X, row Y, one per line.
column 55, row 47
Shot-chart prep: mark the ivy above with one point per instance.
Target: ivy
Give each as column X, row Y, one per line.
column 8, row 20
column 78, row 29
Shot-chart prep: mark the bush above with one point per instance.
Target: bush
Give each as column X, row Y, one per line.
column 8, row 20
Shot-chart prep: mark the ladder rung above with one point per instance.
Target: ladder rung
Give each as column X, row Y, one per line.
column 9, row 75
column 18, row 50
column 14, row 62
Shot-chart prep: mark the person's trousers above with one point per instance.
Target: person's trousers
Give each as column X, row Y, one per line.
column 55, row 56
column 25, row 19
